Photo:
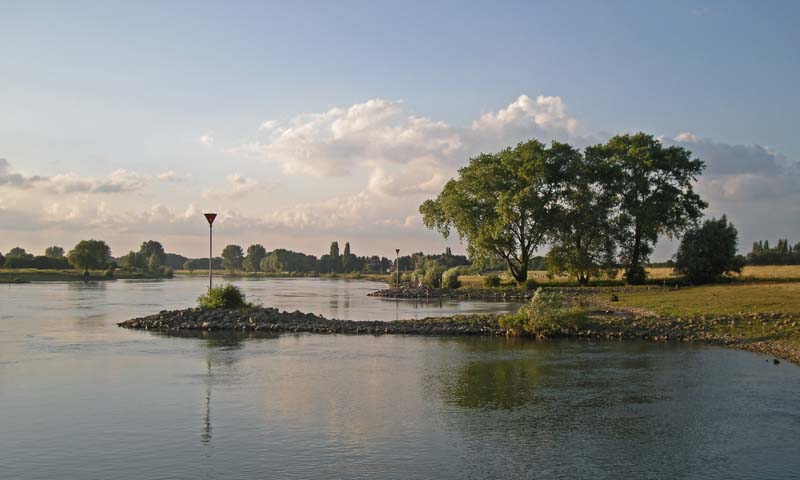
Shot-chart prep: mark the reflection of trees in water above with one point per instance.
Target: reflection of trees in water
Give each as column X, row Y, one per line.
column 607, row 401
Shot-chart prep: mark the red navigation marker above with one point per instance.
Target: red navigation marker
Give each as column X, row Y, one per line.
column 210, row 217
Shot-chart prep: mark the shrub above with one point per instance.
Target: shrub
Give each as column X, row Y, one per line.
column 491, row 280
column 450, row 278
column 547, row 314
column 531, row 284
column 404, row 278
column 433, row 277
column 166, row 272
column 109, row 274
column 223, row 296
column 709, row 252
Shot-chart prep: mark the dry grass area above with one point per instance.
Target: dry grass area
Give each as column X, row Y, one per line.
column 718, row 299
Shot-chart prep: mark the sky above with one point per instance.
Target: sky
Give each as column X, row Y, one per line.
column 307, row 122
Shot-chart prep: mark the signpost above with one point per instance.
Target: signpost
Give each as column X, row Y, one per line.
column 397, row 266
column 210, row 217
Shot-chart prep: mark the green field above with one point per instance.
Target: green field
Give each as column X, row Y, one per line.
column 718, row 299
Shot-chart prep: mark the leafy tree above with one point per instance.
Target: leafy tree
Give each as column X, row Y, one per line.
column 583, row 239
column 202, row 264
column 2, row 259
column 281, row 260
column 255, row 254
column 153, row 263
column 54, row 252
column 348, row 259
column 88, row 254
column 503, row 204
column 232, row 257
column 146, row 252
column 653, row 194
column 18, row 252
column 708, row 252
column 335, row 260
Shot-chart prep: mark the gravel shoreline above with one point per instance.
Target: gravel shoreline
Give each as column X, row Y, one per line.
column 609, row 325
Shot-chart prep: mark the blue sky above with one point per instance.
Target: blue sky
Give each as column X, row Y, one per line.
column 144, row 111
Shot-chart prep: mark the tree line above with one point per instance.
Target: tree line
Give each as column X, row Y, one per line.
column 781, row 254
column 600, row 210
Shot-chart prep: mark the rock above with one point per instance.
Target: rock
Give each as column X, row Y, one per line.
column 775, row 361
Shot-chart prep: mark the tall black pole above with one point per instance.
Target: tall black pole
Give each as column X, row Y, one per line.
column 397, row 267
column 210, row 253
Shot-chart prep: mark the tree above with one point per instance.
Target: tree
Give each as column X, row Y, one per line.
column 88, row 254
column 653, row 194
column 18, row 252
column 146, row 252
column 153, row 263
column 54, row 252
column 335, row 259
column 255, row 254
column 503, row 204
column 709, row 252
column 2, row 259
column 583, row 240
column 348, row 259
column 232, row 257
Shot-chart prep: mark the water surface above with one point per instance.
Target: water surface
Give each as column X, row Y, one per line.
column 84, row 399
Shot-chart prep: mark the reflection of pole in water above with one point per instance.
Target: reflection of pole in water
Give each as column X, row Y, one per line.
column 206, row 436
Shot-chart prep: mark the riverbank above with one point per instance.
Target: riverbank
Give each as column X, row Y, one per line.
column 510, row 293
column 27, row 275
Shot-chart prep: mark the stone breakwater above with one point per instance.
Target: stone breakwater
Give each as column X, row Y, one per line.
column 456, row 293
column 271, row 320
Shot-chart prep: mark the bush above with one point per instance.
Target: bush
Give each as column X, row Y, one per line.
column 491, row 281
column 433, row 277
column 531, row 284
column 709, row 252
column 223, row 296
column 166, row 272
column 547, row 314
column 404, row 278
column 450, row 278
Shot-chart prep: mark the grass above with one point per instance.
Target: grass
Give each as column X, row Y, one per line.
column 24, row 275
column 718, row 299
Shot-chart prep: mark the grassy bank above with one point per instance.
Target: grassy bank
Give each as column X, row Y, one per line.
column 762, row 317
column 25, row 275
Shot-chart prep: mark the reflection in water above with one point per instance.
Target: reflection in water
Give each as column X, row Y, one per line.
column 344, row 406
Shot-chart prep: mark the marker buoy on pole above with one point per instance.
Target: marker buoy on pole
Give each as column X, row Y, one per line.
column 210, row 218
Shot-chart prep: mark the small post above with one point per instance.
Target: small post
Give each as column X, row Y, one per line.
column 210, row 218
column 397, row 266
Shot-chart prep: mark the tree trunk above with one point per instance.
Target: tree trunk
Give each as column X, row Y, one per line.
column 635, row 273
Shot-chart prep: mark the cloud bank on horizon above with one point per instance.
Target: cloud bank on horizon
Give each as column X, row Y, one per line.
column 378, row 162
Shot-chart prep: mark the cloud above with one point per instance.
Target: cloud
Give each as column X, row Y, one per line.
column 118, row 181
column 722, row 158
column 17, row 180
column 268, row 125
column 741, row 173
column 546, row 113
column 207, row 139
column 238, row 187
column 171, row 176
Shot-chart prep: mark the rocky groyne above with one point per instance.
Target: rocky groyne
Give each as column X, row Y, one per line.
column 271, row 320
column 513, row 294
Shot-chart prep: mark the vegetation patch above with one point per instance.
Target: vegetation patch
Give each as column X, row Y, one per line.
column 548, row 314
column 224, row 296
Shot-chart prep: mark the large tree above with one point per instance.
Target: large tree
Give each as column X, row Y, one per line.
column 653, row 194
column 255, row 253
column 232, row 257
column 89, row 254
column 335, row 258
column 582, row 243
column 503, row 204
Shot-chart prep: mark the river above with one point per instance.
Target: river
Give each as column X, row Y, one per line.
column 83, row 399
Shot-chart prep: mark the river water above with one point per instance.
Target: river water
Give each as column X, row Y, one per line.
column 83, row 399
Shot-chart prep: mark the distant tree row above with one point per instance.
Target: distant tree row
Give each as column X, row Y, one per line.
column 53, row 259
column 257, row 259
column 780, row 254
